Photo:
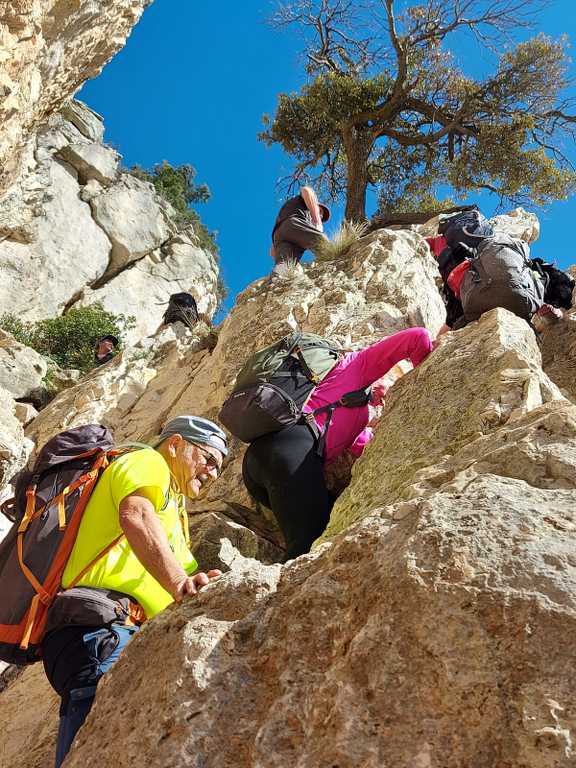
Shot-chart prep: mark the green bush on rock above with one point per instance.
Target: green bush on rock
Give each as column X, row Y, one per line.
column 68, row 340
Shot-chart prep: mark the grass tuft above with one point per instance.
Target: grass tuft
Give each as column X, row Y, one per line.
column 341, row 241
column 288, row 270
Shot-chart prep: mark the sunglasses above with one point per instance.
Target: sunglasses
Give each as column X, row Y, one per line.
column 210, row 461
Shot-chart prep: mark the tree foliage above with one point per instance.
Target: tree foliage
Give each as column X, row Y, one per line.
column 387, row 104
column 68, row 340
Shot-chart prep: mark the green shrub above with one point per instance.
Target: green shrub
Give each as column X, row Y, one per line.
column 341, row 241
column 69, row 340
column 21, row 330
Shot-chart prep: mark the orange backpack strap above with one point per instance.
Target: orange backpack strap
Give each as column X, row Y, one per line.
column 84, row 571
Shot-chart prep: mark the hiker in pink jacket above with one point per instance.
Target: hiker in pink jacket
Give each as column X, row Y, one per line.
column 283, row 470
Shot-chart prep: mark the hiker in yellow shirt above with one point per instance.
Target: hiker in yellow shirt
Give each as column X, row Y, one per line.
column 131, row 552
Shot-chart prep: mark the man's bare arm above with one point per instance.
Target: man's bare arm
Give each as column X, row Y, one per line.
column 144, row 532
column 309, row 197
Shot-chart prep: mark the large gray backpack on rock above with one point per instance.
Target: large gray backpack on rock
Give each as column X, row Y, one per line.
column 501, row 275
column 276, row 382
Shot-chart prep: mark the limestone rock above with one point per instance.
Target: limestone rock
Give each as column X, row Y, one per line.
column 28, row 720
column 73, row 229
column 559, row 353
column 143, row 290
column 218, row 542
column 92, row 161
column 22, row 370
column 47, row 51
column 135, row 218
column 518, row 223
column 501, row 352
column 433, row 638
column 89, row 123
column 70, row 250
column 25, row 413
column 14, row 448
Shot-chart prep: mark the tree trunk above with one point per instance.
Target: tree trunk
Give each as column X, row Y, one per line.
column 358, row 147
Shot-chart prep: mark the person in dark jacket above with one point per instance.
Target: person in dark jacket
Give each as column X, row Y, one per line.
column 181, row 308
column 298, row 226
column 105, row 349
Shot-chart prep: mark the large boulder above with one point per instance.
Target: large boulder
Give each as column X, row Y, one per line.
column 134, row 217
column 69, row 250
column 496, row 377
column 22, row 369
column 92, row 162
column 48, row 49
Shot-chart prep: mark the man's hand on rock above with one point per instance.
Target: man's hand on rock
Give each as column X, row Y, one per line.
column 192, row 584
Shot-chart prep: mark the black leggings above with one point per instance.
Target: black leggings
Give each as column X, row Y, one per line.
column 283, row 471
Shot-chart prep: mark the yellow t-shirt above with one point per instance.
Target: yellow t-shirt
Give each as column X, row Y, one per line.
column 120, row 569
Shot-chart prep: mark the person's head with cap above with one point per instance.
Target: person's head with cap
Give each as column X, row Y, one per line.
column 194, row 448
column 105, row 346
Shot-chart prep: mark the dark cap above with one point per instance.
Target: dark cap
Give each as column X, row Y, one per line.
column 108, row 337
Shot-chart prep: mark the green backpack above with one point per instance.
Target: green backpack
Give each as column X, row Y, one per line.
column 276, row 382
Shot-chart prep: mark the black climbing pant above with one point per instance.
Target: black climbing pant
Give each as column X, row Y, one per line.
column 283, row 471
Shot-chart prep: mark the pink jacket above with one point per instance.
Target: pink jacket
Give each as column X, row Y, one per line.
column 356, row 371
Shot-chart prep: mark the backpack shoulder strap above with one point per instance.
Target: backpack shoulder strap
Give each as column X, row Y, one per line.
column 355, row 399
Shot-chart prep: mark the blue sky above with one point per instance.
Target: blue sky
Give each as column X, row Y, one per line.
column 191, row 86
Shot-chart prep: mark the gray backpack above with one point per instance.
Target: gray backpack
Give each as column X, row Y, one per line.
column 501, row 275
column 46, row 511
column 275, row 383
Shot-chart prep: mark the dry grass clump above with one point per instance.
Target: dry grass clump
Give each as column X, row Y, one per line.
column 341, row 241
column 288, row 270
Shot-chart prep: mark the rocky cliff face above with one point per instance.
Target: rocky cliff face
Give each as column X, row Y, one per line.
column 428, row 628
column 48, row 49
column 76, row 229
column 430, row 632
